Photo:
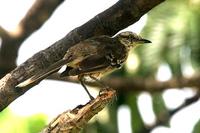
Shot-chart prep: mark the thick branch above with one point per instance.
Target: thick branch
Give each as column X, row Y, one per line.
column 34, row 19
column 74, row 120
column 3, row 33
column 37, row 15
column 140, row 84
column 109, row 22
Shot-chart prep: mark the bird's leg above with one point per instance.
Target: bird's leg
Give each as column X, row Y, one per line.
column 105, row 87
column 99, row 82
column 81, row 79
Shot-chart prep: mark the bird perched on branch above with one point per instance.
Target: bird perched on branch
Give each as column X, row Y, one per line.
column 92, row 57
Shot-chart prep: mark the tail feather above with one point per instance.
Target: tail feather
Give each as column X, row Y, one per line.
column 44, row 73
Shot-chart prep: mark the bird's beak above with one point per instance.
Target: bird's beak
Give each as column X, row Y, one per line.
column 144, row 41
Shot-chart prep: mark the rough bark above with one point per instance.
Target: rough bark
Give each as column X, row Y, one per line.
column 72, row 121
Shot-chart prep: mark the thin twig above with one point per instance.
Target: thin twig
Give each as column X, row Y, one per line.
column 164, row 118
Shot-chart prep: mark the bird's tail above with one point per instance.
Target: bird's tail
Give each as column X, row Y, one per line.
column 44, row 73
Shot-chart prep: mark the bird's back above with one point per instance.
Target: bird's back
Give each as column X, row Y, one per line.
column 96, row 55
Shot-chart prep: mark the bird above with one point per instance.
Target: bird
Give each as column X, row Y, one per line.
column 93, row 57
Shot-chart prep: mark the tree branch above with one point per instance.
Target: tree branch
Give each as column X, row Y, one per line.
column 139, row 84
column 109, row 22
column 142, row 84
column 74, row 120
column 164, row 118
column 40, row 11
column 37, row 15
column 3, row 33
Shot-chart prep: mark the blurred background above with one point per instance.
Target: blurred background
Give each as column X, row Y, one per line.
column 173, row 28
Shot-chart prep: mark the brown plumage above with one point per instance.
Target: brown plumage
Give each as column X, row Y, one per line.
column 92, row 57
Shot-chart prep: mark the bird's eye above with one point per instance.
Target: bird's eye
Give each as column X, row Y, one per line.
column 130, row 38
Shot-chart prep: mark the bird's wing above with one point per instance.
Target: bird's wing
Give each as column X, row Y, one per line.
column 43, row 73
column 91, row 64
column 88, row 47
column 77, row 54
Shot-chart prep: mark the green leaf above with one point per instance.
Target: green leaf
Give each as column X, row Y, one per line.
column 196, row 128
column 137, row 122
column 159, row 107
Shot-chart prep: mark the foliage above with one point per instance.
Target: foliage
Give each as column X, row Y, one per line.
column 174, row 31
column 12, row 123
column 197, row 127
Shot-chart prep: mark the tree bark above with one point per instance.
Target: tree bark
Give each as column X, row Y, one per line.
column 73, row 121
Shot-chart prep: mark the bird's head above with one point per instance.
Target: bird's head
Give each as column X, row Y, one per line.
column 131, row 39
